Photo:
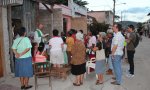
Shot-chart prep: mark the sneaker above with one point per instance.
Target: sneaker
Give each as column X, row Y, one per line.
column 115, row 83
column 130, row 75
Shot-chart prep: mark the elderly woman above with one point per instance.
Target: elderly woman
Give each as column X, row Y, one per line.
column 23, row 60
column 100, row 59
column 78, row 60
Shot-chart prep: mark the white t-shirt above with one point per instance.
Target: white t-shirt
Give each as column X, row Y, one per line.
column 55, row 43
column 92, row 40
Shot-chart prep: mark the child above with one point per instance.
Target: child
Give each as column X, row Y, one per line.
column 41, row 55
column 34, row 50
column 64, row 52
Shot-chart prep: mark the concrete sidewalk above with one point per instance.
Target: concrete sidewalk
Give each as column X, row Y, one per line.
column 139, row 82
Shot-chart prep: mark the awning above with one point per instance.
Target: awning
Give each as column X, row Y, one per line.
column 50, row 2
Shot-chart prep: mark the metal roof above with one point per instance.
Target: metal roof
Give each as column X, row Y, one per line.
column 10, row 2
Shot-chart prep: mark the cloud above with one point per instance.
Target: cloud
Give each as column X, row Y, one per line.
column 136, row 10
column 140, row 17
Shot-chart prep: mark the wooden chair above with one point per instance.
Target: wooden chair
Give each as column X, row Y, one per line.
column 61, row 72
column 41, row 70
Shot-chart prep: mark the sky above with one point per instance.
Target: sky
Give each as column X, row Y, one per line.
column 132, row 10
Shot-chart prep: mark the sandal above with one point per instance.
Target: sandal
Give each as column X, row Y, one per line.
column 27, row 87
column 75, row 84
column 81, row 83
column 22, row 87
column 98, row 82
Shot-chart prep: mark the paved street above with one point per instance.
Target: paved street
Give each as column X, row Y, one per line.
column 139, row 82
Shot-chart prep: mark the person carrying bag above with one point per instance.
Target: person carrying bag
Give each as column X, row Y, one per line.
column 100, row 60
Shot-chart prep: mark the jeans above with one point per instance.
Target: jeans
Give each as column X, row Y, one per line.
column 130, row 55
column 110, row 63
column 116, row 61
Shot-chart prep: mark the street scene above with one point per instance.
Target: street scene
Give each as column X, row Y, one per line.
column 74, row 45
column 139, row 82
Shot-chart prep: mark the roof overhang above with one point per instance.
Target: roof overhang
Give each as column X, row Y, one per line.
column 11, row 2
column 51, row 2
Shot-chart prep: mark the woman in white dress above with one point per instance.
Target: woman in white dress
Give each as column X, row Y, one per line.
column 56, row 51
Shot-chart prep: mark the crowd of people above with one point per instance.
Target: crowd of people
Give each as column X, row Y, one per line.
column 73, row 50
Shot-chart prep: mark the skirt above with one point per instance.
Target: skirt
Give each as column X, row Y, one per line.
column 78, row 69
column 23, row 67
column 65, row 58
column 100, row 67
column 57, row 57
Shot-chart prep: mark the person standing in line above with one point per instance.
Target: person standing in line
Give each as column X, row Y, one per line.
column 23, row 60
column 117, row 52
column 56, row 50
column 64, row 52
column 100, row 59
column 108, row 54
column 38, row 35
column 91, row 44
column 131, row 49
column 82, row 35
column 78, row 60
column 70, row 43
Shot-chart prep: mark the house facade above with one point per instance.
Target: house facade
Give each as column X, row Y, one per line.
column 102, row 16
column 5, row 21
column 13, row 14
column 146, row 26
column 16, row 13
column 67, row 17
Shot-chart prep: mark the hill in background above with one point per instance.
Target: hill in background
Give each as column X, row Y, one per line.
column 126, row 23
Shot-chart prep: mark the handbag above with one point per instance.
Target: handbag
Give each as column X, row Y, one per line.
column 100, row 54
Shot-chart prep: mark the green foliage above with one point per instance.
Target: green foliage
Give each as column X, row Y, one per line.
column 65, row 2
column 81, row 3
column 52, row 2
column 98, row 27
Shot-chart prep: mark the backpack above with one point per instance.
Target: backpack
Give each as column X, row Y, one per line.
column 137, row 40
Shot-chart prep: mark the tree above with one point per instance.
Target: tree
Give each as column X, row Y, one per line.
column 81, row 3
column 98, row 27
column 65, row 2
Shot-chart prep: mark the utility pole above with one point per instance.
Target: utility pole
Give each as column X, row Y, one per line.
column 114, row 11
column 121, row 16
